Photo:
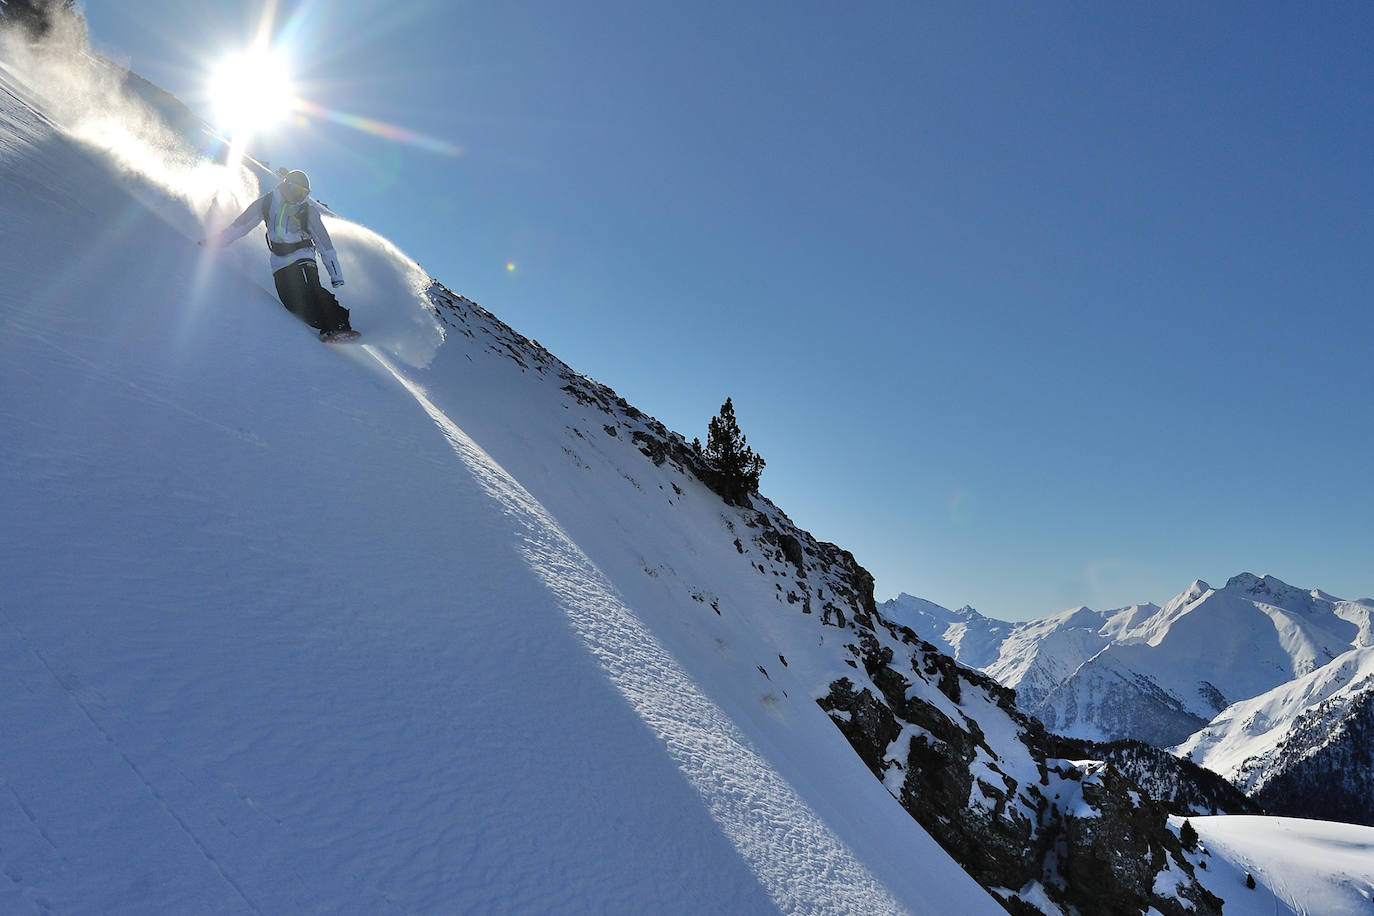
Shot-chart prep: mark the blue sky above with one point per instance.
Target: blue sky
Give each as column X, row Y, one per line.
column 1028, row 305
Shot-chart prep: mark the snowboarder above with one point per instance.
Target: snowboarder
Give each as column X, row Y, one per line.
column 295, row 232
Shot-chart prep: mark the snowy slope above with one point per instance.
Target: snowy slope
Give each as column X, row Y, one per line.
column 1241, row 742
column 1304, row 747
column 402, row 628
column 1040, row 655
column 1302, row 867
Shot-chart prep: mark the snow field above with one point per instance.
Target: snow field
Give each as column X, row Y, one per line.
column 1309, row 868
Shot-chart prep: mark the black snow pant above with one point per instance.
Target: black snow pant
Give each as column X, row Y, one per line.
column 298, row 286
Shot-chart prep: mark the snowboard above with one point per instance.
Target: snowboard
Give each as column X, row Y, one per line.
column 340, row 336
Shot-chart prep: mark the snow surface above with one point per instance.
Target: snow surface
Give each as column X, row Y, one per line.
column 1309, row 868
column 395, row 628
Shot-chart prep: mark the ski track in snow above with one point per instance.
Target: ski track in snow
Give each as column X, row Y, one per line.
column 797, row 858
column 62, row 698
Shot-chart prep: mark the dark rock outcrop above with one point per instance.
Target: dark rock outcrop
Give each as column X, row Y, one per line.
column 1016, row 806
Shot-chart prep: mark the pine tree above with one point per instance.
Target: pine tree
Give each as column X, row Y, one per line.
column 728, row 451
column 1187, row 835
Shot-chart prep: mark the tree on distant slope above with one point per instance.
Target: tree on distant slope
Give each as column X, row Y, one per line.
column 728, row 451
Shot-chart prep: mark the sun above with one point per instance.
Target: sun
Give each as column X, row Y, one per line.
column 250, row 91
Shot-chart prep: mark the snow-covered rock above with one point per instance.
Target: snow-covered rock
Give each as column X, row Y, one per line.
column 1028, row 813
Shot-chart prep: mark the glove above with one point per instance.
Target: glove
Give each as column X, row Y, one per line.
column 336, row 283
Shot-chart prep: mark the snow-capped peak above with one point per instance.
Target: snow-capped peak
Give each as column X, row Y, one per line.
column 965, row 634
column 913, row 605
column 1204, row 649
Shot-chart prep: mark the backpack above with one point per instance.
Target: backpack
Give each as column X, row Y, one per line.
column 281, row 249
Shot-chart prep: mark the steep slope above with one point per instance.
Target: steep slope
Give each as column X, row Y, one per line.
column 1027, row 814
column 281, row 634
column 1305, row 748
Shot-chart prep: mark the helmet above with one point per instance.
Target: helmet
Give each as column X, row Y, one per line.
column 299, row 179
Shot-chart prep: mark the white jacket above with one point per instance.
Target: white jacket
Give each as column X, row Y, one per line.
column 288, row 222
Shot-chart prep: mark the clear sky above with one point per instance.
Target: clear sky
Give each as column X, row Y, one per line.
column 1029, row 305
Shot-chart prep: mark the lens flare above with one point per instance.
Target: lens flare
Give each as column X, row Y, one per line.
column 963, row 507
column 379, row 128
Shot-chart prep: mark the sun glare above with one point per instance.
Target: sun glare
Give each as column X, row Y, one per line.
column 250, row 91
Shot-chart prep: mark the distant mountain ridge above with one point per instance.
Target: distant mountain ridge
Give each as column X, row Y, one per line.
column 1155, row 674
column 1270, row 685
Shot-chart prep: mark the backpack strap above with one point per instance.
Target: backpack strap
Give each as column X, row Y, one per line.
column 281, row 249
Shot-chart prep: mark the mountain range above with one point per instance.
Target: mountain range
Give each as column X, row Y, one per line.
column 1267, row 684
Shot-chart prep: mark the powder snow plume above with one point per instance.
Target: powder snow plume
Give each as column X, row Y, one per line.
column 90, row 100
column 87, row 96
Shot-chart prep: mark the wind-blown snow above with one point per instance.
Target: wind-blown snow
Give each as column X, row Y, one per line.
column 88, row 100
column 289, row 628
